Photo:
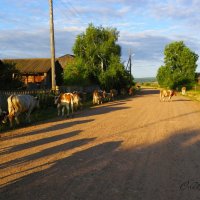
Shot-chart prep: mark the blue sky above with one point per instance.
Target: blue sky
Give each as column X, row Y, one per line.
column 145, row 26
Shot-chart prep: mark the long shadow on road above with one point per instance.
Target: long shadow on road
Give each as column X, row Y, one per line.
column 62, row 124
column 106, row 171
column 20, row 147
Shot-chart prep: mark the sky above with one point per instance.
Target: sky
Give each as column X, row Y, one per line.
column 145, row 27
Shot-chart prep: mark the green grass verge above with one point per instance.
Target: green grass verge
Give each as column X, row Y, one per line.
column 194, row 95
column 36, row 116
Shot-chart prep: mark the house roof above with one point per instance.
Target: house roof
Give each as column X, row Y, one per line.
column 30, row 65
column 66, row 59
column 37, row 65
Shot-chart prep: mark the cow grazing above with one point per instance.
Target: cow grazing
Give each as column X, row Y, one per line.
column 97, row 97
column 18, row 104
column 166, row 95
column 65, row 101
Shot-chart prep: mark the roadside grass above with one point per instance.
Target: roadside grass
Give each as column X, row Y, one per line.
column 36, row 116
column 193, row 94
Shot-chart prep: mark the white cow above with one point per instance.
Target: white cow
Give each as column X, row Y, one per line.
column 18, row 104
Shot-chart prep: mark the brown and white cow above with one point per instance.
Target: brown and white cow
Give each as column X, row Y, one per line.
column 97, row 97
column 18, row 104
column 166, row 95
column 65, row 101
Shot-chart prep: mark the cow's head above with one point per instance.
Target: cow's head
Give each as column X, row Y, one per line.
column 4, row 117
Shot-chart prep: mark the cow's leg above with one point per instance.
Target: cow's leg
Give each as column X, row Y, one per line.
column 160, row 96
column 67, row 106
column 11, row 120
column 72, row 108
column 16, row 115
column 28, row 115
column 76, row 107
column 98, row 101
column 58, row 109
column 17, row 119
column 63, row 111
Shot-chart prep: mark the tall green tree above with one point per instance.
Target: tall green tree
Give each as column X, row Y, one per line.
column 9, row 77
column 97, row 57
column 115, row 76
column 180, row 66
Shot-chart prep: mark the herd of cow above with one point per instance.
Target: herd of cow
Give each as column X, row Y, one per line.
column 65, row 102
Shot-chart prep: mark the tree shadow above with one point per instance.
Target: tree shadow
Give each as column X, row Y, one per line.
column 60, row 126
column 48, row 151
column 110, row 172
column 103, row 110
column 39, row 142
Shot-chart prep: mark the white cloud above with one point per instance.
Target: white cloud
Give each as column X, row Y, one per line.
column 145, row 26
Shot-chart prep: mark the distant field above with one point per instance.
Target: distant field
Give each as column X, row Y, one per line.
column 146, row 79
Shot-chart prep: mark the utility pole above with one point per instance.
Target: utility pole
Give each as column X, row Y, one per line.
column 52, row 42
column 129, row 65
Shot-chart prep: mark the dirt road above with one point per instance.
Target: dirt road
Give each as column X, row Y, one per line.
column 133, row 149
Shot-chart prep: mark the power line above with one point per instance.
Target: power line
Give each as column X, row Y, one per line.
column 71, row 9
column 58, row 8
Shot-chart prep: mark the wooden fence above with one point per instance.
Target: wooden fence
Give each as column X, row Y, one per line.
column 46, row 96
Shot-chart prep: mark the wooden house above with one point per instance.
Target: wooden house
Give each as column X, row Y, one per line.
column 36, row 72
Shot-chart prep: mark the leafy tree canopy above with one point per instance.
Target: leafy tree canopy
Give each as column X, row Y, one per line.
column 180, row 66
column 9, row 77
column 97, row 59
